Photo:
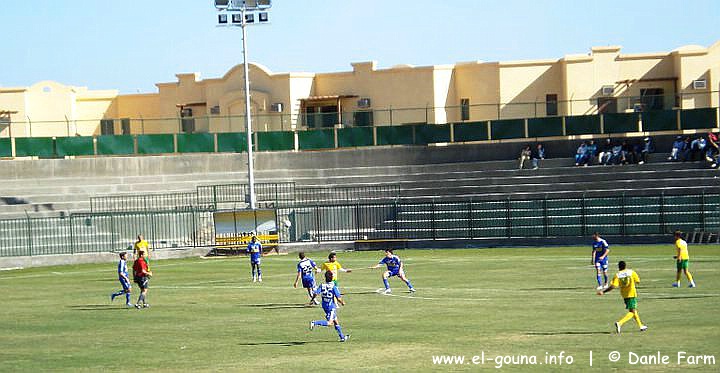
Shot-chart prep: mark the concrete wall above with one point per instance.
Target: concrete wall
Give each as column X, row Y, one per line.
column 68, row 259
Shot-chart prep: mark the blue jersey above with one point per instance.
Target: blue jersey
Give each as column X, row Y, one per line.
column 306, row 268
column 122, row 268
column 255, row 250
column 392, row 263
column 328, row 291
column 600, row 248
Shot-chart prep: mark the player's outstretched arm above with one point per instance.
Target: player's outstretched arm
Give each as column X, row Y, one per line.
column 602, row 292
column 375, row 266
column 297, row 278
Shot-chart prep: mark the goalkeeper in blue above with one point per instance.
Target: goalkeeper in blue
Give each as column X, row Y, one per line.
column 394, row 268
column 330, row 293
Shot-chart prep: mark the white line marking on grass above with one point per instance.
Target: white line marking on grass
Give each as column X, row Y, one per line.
column 11, row 268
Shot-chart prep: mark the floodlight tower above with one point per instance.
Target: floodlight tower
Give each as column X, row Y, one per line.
column 241, row 13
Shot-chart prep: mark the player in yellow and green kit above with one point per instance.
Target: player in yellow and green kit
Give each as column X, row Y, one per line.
column 333, row 266
column 626, row 279
column 682, row 258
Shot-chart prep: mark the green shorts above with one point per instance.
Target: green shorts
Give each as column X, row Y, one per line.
column 630, row 303
column 682, row 264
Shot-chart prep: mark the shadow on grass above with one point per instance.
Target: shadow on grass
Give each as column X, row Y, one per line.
column 98, row 307
column 683, row 297
column 556, row 289
column 360, row 292
column 568, row 332
column 276, row 306
column 285, row 344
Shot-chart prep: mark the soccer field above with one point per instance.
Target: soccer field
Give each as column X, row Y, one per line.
column 207, row 315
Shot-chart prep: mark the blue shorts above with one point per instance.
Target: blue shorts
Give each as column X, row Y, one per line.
column 394, row 272
column 124, row 283
column 254, row 260
column 330, row 313
column 308, row 283
column 602, row 263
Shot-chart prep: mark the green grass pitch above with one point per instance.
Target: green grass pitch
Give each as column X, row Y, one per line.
column 207, row 315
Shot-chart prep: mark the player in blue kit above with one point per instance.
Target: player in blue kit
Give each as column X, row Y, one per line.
column 330, row 294
column 306, row 269
column 254, row 248
column 600, row 251
column 394, row 268
column 124, row 280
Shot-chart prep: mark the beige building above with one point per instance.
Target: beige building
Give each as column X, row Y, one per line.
column 603, row 80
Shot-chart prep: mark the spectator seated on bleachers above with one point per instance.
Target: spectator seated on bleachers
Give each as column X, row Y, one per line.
column 678, row 148
column 525, row 155
column 616, row 155
column 697, row 148
column 591, row 152
column 581, row 155
column 538, row 154
column 712, row 151
column 629, row 155
column 645, row 149
column 605, row 152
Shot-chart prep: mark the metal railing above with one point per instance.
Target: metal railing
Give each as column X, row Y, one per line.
column 547, row 217
column 15, row 126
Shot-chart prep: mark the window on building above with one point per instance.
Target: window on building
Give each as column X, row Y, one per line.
column 187, row 122
column 652, row 98
column 107, row 127
column 363, row 118
column 310, row 117
column 125, row 124
column 551, row 105
column 465, row 109
column 329, row 115
column 607, row 105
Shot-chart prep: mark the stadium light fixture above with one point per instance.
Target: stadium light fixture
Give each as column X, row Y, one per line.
column 242, row 13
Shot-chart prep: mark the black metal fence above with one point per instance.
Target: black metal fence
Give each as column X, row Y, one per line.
column 548, row 217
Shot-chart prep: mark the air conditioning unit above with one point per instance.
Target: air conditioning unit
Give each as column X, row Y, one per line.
column 608, row 90
column 364, row 103
column 700, row 84
column 276, row 107
column 215, row 110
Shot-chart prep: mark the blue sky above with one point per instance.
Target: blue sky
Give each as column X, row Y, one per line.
column 132, row 44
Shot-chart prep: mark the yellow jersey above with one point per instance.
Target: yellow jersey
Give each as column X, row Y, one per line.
column 626, row 280
column 142, row 246
column 682, row 249
column 333, row 267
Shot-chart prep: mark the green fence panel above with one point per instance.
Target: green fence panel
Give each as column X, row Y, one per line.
column 659, row 120
column 155, row 144
column 232, row 142
column 34, row 146
column 698, row 118
column 115, row 145
column 395, row 135
column 431, row 133
column 620, row 122
column 81, row 145
column 276, row 140
column 470, row 131
column 545, row 127
column 6, row 147
column 196, row 143
column 355, row 136
column 582, row 125
column 507, row 129
column 316, row 139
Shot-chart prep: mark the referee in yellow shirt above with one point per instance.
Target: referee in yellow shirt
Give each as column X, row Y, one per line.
column 682, row 258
